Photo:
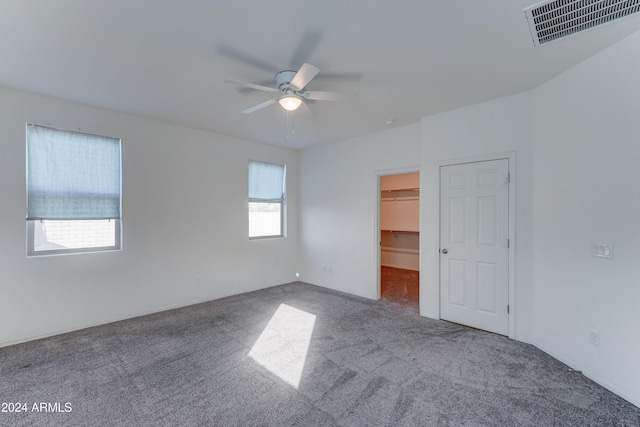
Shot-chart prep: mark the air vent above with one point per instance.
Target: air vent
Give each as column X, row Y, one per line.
column 552, row 20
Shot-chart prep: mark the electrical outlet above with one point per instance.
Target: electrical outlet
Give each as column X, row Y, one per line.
column 594, row 337
column 197, row 280
column 602, row 250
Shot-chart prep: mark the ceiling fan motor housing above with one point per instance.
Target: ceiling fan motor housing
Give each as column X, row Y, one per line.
column 290, row 84
column 283, row 79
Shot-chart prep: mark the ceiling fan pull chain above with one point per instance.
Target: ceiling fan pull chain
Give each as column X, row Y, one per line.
column 293, row 126
column 287, row 113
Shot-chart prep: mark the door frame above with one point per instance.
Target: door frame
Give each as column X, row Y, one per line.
column 511, row 157
column 376, row 222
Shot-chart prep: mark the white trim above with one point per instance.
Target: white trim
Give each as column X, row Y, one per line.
column 32, row 253
column 376, row 209
column 282, row 201
column 282, row 234
column 511, row 157
column 133, row 315
column 595, row 378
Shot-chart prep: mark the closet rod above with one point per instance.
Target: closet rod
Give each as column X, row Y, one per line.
column 400, row 231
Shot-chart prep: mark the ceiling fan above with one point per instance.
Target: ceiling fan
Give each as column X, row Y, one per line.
column 289, row 90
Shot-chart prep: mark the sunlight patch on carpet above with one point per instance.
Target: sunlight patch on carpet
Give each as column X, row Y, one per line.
column 282, row 347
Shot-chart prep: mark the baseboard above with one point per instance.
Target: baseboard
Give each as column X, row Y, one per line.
column 125, row 317
column 634, row 400
column 337, row 289
column 429, row 315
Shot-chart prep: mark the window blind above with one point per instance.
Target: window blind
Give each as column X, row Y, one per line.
column 266, row 182
column 72, row 175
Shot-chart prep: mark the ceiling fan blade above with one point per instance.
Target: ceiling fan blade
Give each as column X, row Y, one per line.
column 260, row 106
column 265, row 83
column 304, row 76
column 303, row 52
column 326, row 96
column 353, row 77
column 252, row 86
column 238, row 55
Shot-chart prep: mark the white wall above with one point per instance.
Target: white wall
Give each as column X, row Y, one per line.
column 339, row 203
column 587, row 189
column 184, row 216
column 499, row 126
column 577, row 145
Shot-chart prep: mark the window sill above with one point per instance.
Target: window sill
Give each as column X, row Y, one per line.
column 266, row 237
column 39, row 254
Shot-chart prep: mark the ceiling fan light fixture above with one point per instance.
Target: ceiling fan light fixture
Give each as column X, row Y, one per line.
column 290, row 102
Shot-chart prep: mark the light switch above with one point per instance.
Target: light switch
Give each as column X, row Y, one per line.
column 602, row 250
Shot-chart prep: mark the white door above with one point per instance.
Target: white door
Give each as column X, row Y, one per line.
column 474, row 254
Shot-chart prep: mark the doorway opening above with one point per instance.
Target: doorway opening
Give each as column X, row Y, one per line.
column 399, row 228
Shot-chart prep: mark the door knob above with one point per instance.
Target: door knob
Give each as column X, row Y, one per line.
column 445, row 251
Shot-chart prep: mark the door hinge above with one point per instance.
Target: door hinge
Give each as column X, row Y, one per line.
column 507, row 308
column 508, row 177
column 508, row 243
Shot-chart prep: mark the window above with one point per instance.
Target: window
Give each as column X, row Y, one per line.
column 266, row 199
column 73, row 192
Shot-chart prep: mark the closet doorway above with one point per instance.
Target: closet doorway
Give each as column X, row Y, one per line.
column 399, row 233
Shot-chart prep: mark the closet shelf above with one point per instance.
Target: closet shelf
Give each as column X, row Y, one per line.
column 400, row 231
column 398, row 198
column 395, row 190
column 400, row 250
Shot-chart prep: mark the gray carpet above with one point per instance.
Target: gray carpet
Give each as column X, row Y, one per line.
column 297, row 355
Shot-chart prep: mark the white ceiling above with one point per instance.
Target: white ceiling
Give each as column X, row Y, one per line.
column 168, row 59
